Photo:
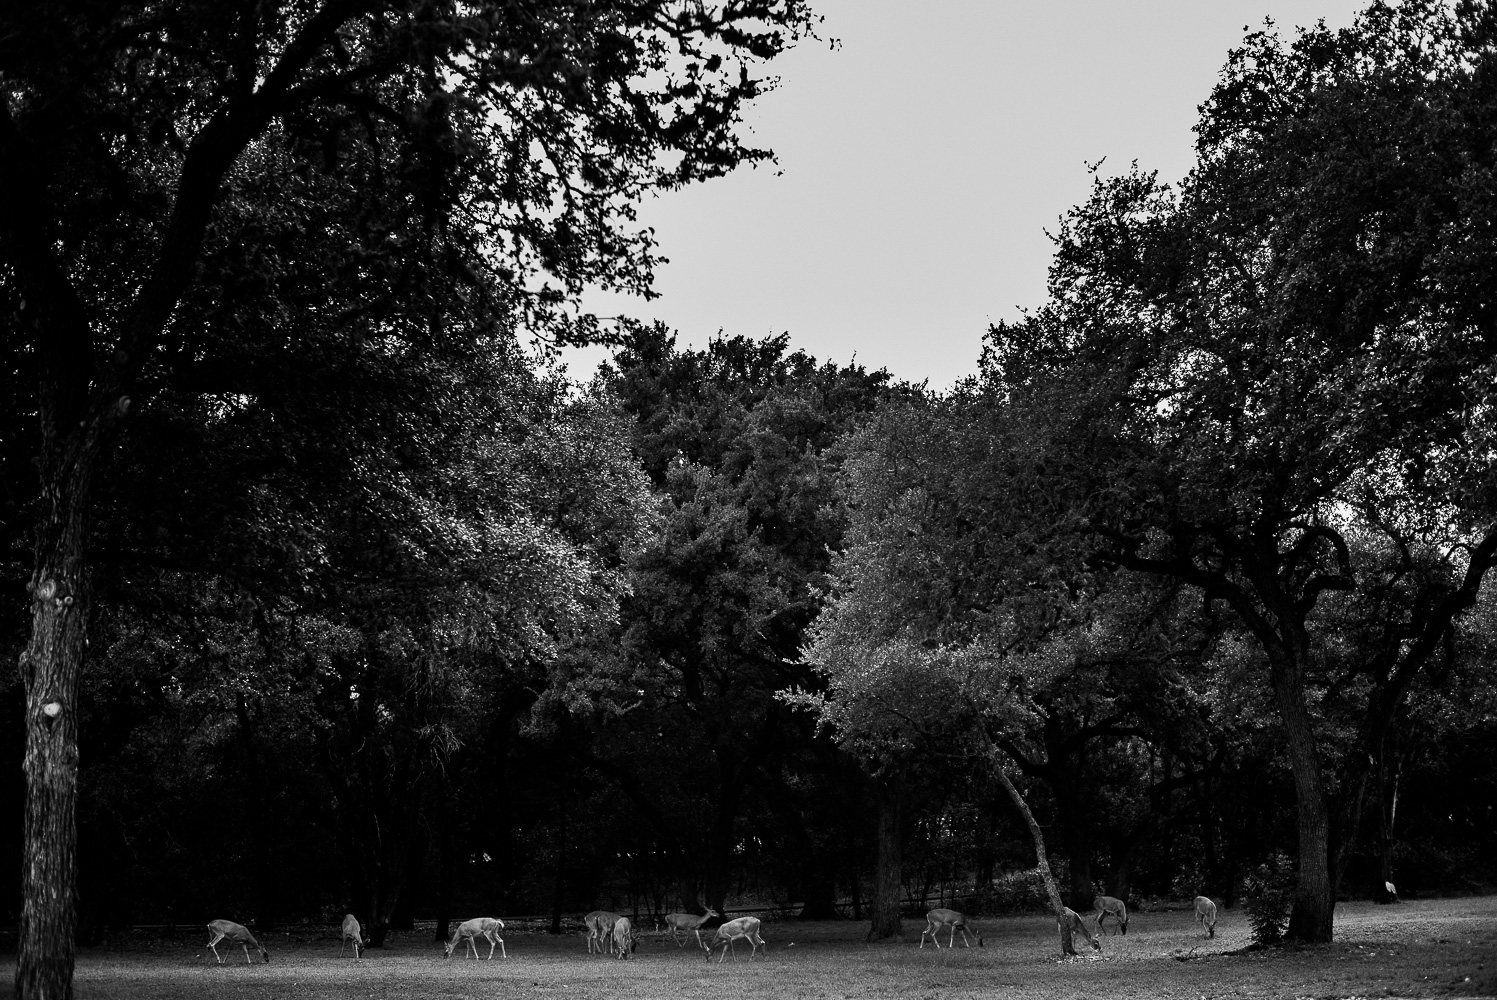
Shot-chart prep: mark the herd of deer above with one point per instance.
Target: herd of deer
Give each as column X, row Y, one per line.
column 1103, row 907
column 607, row 933
column 613, row 934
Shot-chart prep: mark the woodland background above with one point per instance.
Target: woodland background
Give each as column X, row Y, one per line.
column 390, row 615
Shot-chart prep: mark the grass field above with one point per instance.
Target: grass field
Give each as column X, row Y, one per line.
column 1433, row 948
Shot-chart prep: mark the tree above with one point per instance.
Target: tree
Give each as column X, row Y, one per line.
column 1288, row 367
column 737, row 437
column 951, row 583
column 495, row 150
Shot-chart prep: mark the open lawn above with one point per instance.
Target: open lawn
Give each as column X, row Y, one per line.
column 1434, row 948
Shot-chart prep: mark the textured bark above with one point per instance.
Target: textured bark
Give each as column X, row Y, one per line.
column 50, row 668
column 44, row 967
column 1313, row 916
column 888, row 876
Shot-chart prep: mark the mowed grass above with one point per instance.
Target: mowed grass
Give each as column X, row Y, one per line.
column 1433, row 948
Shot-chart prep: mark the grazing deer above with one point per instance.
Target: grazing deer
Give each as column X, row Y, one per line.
column 622, row 940
column 1206, row 914
column 678, row 922
column 941, row 917
column 731, row 932
column 351, row 932
column 227, row 930
column 484, row 927
column 1070, row 919
column 600, row 930
column 1110, row 906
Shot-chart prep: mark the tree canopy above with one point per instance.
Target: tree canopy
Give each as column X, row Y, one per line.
column 340, row 595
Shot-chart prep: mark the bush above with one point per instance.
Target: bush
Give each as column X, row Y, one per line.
column 1012, row 892
column 1268, row 895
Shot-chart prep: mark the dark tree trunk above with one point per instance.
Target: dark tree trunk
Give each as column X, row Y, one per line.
column 720, row 838
column 559, row 882
column 403, row 917
column 986, row 852
column 1072, row 819
column 50, row 668
column 1210, row 842
column 447, row 868
column 854, row 877
column 888, row 876
column 1312, row 918
column 1387, row 815
column 1125, row 850
column 261, row 821
column 815, row 867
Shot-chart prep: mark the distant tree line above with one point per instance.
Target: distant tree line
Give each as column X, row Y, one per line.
column 332, row 594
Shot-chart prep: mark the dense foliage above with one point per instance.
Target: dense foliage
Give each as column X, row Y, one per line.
column 347, row 599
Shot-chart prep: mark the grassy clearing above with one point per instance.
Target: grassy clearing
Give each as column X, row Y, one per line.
column 1435, row 948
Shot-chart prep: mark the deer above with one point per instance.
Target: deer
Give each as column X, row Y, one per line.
column 599, row 930
column 1070, row 919
column 484, row 927
column 227, row 930
column 1110, row 906
column 352, row 932
column 1206, row 914
column 941, row 917
column 622, row 940
column 678, row 922
column 731, row 932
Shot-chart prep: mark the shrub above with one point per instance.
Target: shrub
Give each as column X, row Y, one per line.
column 1012, row 892
column 1267, row 897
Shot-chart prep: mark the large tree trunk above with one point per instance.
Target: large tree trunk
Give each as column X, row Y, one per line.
column 1312, row 918
column 50, row 668
column 888, row 876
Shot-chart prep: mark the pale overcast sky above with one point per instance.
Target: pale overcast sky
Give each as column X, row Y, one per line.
column 922, row 162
